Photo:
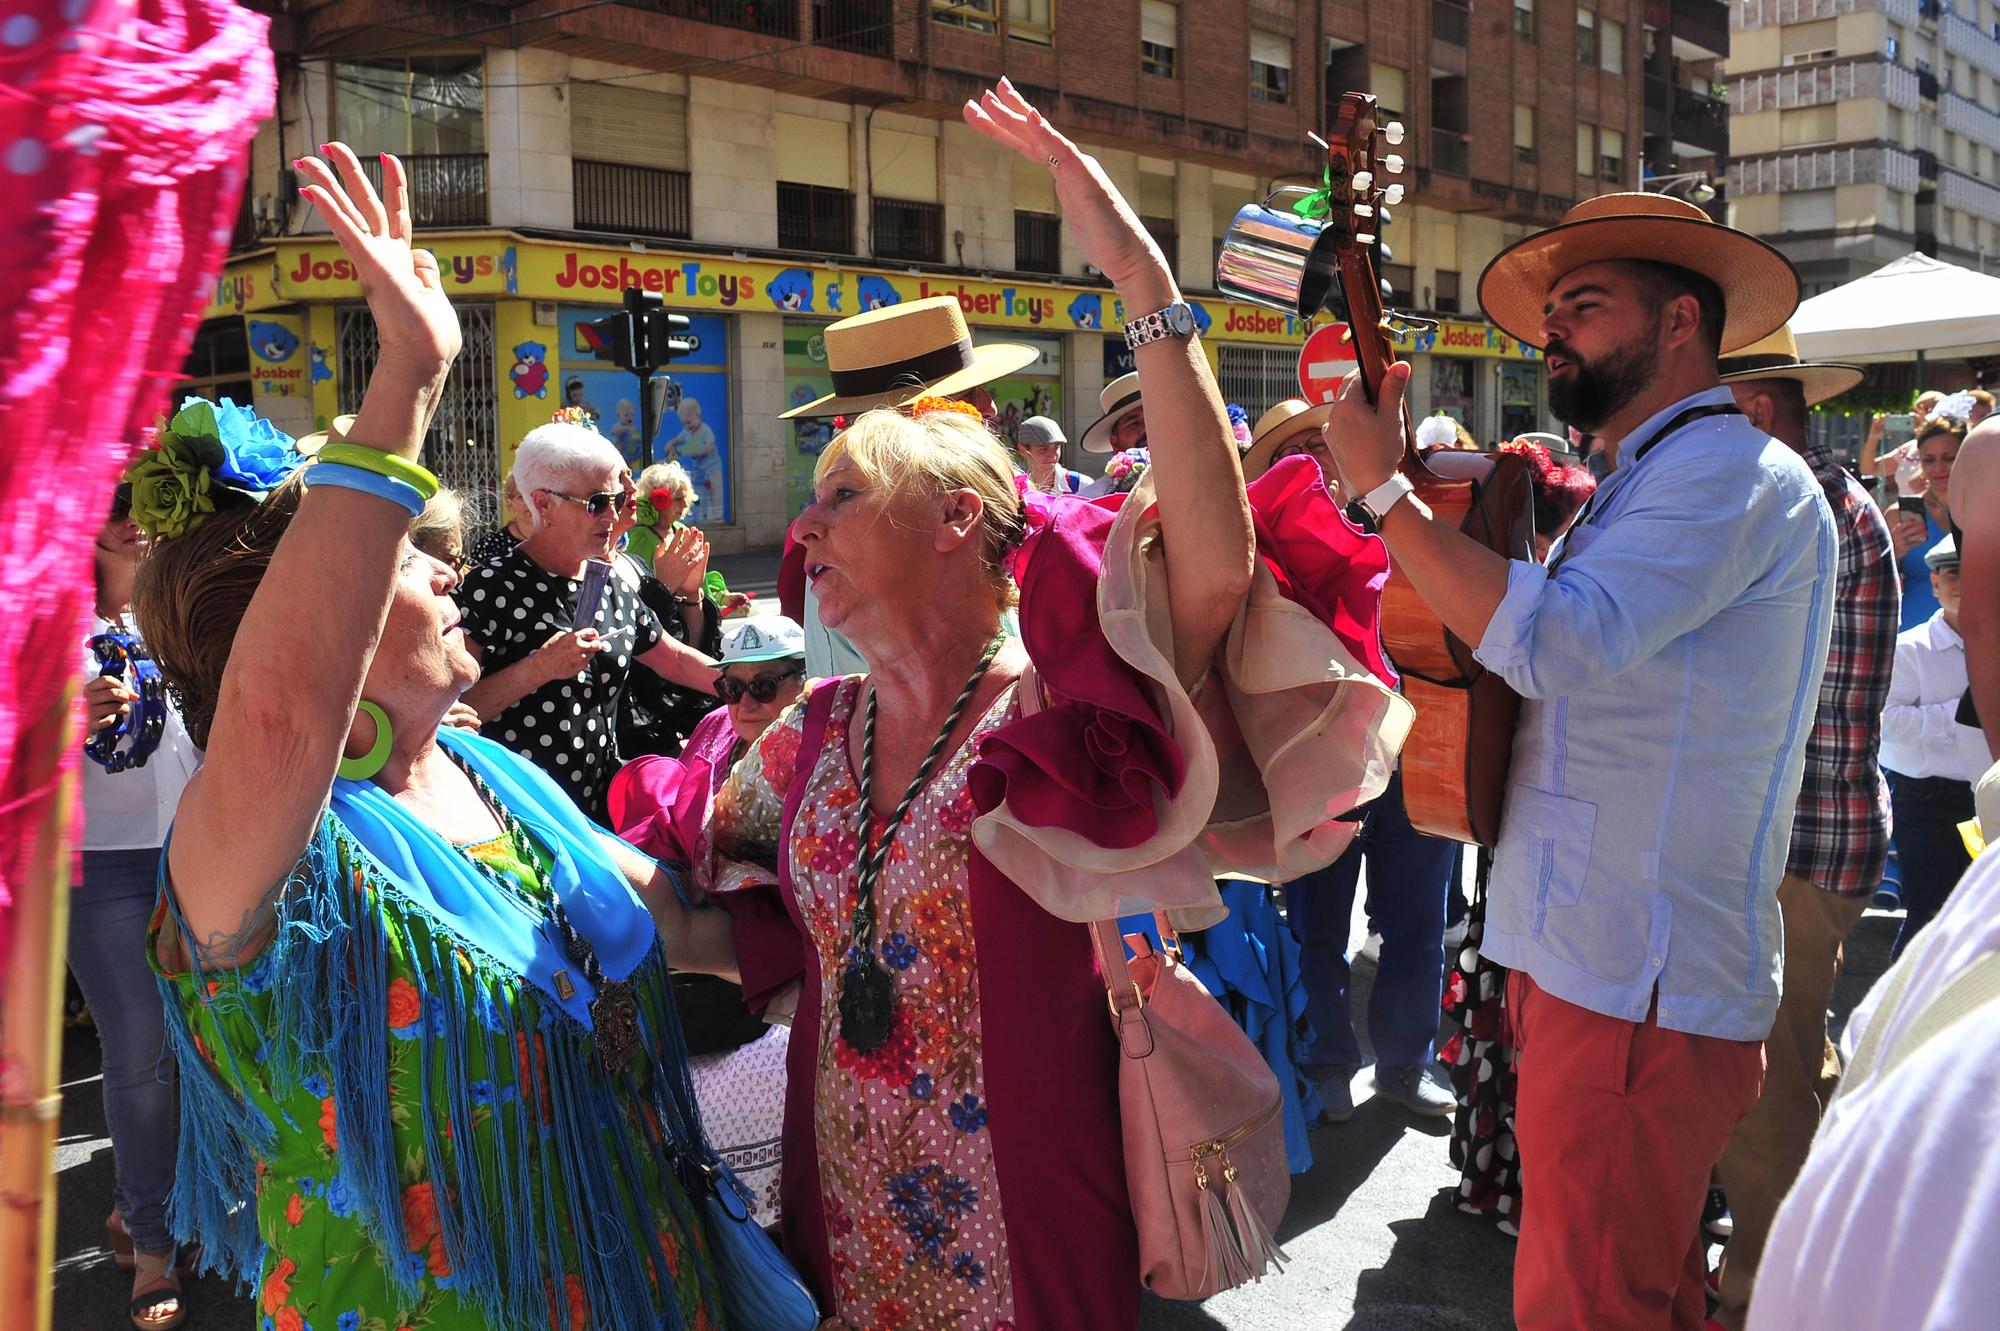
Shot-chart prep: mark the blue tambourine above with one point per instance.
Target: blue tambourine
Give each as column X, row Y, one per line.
column 133, row 739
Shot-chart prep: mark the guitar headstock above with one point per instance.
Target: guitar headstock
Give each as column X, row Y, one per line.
column 1361, row 166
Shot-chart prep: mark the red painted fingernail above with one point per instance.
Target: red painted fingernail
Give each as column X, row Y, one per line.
column 384, row 157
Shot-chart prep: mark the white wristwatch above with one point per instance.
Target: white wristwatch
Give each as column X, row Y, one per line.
column 1176, row 320
column 1366, row 512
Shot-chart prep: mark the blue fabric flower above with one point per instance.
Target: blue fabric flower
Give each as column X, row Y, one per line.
column 899, row 952
column 258, row 456
column 968, row 1268
column 921, row 1087
column 956, row 1196
column 482, row 1092
column 340, row 1198
column 351, row 1320
column 967, row 1114
column 315, row 1086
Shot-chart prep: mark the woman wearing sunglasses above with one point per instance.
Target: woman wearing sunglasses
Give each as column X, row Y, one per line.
column 737, row 1062
column 553, row 668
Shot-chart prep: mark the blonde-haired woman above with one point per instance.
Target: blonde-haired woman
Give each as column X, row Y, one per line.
column 665, row 494
column 952, row 1141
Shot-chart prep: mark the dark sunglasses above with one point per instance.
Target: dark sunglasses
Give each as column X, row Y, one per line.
column 762, row 689
column 121, row 502
column 599, row 504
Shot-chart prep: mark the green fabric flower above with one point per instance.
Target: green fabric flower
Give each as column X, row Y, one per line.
column 170, row 484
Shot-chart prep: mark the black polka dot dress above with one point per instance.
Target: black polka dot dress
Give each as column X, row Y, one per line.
column 568, row 727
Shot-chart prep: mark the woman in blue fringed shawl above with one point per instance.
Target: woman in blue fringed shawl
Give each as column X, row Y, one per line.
column 421, row 1006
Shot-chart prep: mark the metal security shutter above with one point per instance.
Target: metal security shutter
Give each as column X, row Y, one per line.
column 609, row 123
column 460, row 447
column 1256, row 377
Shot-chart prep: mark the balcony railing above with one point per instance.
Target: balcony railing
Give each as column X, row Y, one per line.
column 1825, row 168
column 865, row 27
column 1450, row 22
column 815, row 218
column 1824, row 84
column 1705, row 23
column 907, row 230
column 446, row 189
column 1968, row 195
column 776, row 18
column 1959, row 116
column 1701, row 122
column 631, row 200
column 1448, row 151
column 1961, row 37
column 1771, row 13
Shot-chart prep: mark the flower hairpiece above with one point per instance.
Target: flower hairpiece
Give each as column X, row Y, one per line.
column 924, row 406
column 1125, row 469
column 574, row 416
column 207, row 452
column 652, row 505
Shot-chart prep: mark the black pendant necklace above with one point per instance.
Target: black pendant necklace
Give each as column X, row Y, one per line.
column 614, row 1012
column 867, row 994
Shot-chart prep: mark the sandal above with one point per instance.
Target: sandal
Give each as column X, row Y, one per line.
column 167, row 1290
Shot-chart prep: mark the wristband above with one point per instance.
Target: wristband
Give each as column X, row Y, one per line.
column 122, row 656
column 418, row 477
column 343, row 477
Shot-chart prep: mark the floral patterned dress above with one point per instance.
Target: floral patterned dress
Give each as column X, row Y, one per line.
column 321, row 1268
column 966, row 1174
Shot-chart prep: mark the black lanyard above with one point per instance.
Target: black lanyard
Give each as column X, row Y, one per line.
column 1657, row 437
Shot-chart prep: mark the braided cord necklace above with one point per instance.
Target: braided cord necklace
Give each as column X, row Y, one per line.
column 867, row 994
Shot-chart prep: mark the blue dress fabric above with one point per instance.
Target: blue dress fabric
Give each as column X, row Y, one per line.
column 1250, row 963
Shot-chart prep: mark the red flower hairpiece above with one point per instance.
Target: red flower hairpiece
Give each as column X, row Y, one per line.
column 924, row 406
column 661, row 497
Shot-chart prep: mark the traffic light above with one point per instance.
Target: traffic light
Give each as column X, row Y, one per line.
column 641, row 337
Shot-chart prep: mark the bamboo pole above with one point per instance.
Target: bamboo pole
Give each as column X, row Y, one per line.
column 31, row 1035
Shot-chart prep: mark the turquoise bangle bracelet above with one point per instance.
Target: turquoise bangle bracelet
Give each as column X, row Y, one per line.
column 343, row 477
column 391, row 465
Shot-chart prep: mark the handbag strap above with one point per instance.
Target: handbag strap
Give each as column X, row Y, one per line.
column 1121, row 991
column 819, row 710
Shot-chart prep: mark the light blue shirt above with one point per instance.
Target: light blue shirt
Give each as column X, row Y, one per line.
column 1670, row 662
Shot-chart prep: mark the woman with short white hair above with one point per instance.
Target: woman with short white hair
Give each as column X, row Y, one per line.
column 555, row 647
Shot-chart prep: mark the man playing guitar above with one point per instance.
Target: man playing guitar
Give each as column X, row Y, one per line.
column 1669, row 656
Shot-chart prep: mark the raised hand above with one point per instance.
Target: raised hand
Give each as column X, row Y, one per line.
column 400, row 282
column 1106, row 229
column 681, row 562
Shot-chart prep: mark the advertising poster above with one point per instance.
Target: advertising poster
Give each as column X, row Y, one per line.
column 1036, row 390
column 805, row 379
column 694, row 431
column 279, row 359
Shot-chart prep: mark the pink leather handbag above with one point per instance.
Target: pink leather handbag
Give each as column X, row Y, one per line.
column 1204, row 1140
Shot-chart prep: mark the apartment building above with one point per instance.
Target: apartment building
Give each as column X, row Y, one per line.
column 770, row 165
column 1864, row 129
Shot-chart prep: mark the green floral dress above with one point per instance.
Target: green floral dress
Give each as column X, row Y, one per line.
column 323, row 1266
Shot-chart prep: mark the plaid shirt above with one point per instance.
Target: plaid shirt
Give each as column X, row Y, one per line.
column 1841, row 834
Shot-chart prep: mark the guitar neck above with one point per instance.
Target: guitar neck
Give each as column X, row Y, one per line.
column 1372, row 352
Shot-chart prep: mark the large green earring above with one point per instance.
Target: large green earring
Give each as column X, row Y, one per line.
column 377, row 758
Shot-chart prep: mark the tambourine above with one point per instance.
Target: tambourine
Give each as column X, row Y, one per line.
column 132, row 740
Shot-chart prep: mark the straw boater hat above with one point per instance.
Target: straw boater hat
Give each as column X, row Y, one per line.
column 1277, row 425
column 1760, row 288
column 1119, row 396
column 896, row 354
column 1777, row 357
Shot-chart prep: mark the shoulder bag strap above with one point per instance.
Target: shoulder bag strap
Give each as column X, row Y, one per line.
column 819, row 709
column 1976, row 986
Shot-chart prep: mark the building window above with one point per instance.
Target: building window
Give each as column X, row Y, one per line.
column 1524, row 20
column 1270, row 67
column 1402, row 280
column 431, row 112
column 1611, row 46
column 1032, row 21
column 815, row 218
column 1445, row 299
column 1611, row 155
column 1037, row 242
column 1159, row 34
column 908, row 230
column 1524, row 132
column 1586, row 149
column 629, row 168
column 1391, row 88
column 1586, row 37
column 978, row 15
column 1165, row 234
column 218, row 364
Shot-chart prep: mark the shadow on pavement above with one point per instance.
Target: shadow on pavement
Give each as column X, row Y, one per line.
column 1416, row 1288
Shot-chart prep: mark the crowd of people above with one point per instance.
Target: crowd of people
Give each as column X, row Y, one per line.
column 506, row 931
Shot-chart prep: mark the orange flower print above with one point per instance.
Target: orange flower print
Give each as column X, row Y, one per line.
column 295, row 1209
column 671, row 1246
column 439, row 1264
column 278, row 1285
column 406, row 1008
column 779, row 749
column 891, row 1314
column 289, row 1319
column 579, row 1308
column 420, row 1217
column 326, row 1124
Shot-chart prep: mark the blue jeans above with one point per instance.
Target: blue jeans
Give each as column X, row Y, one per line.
column 1930, row 853
column 109, row 912
column 1409, row 875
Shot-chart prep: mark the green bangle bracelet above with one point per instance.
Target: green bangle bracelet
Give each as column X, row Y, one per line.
column 382, row 464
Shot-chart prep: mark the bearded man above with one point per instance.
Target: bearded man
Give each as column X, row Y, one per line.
column 1670, row 656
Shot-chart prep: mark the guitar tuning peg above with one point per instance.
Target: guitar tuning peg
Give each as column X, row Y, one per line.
column 1385, row 219
column 1388, row 255
column 1364, row 210
column 1364, row 238
column 1364, row 181
column 1392, row 133
column 1394, row 194
column 1393, row 164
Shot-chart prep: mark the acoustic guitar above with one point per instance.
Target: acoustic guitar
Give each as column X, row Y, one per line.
column 1455, row 759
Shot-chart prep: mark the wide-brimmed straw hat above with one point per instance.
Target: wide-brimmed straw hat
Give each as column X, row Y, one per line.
column 1760, row 288
column 1275, row 426
column 1777, row 357
column 896, row 354
column 309, row 445
column 1118, row 397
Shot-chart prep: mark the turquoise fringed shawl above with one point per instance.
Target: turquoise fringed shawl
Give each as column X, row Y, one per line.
column 372, row 873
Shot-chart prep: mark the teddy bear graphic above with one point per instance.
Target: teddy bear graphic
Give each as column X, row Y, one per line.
column 531, row 372
column 792, row 291
column 272, row 342
column 1087, row 311
column 875, row 293
column 321, row 371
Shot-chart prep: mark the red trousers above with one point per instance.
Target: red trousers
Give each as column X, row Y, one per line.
column 1619, row 1125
